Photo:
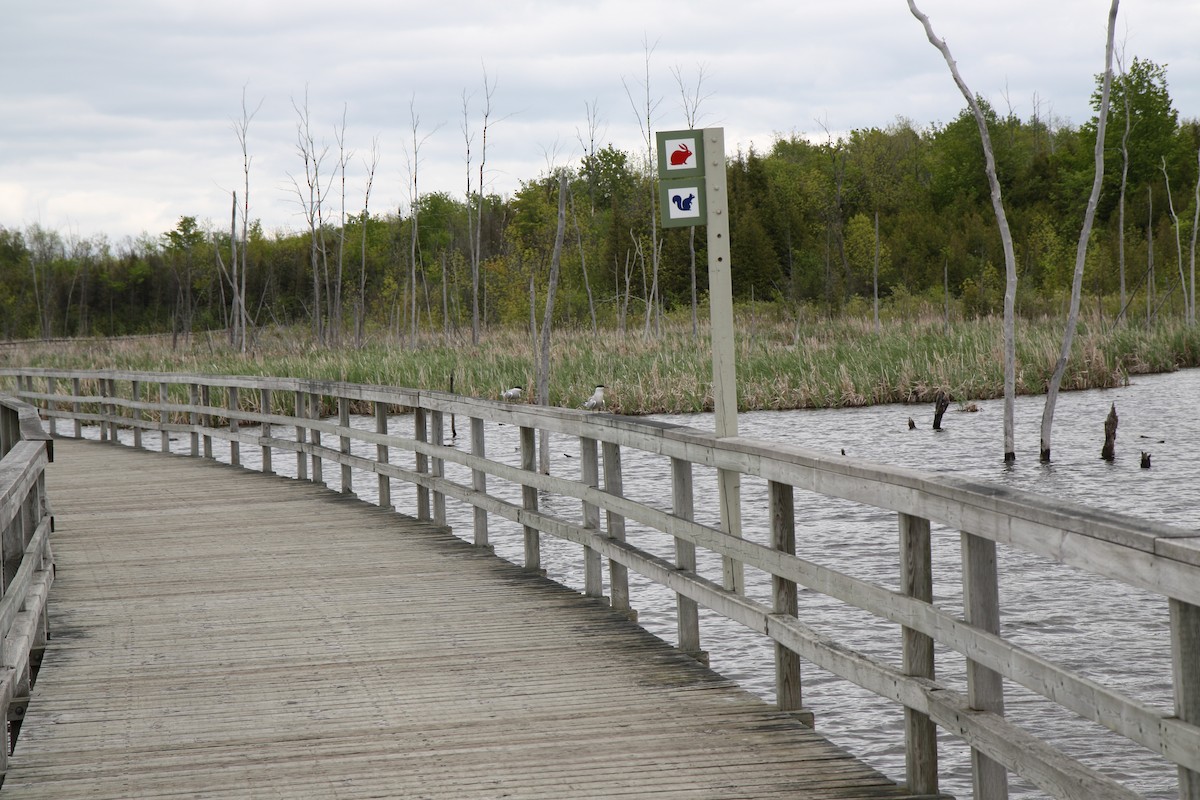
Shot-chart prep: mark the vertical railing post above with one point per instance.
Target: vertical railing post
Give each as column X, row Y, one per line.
column 589, row 474
column 618, row 574
column 381, row 454
column 207, row 418
column 437, row 467
column 102, row 391
column 299, row 413
column 264, row 406
column 1185, row 662
column 344, row 444
column 314, row 438
column 687, row 612
column 135, row 389
column 985, row 688
column 916, row 581
column 785, row 603
column 421, row 434
column 194, row 417
column 51, row 389
column 235, row 450
column 533, row 543
column 163, row 416
column 76, row 407
column 479, row 481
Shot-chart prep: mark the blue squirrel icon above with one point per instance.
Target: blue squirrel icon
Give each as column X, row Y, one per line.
column 683, row 203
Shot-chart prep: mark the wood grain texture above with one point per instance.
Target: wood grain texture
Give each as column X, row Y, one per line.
column 219, row 633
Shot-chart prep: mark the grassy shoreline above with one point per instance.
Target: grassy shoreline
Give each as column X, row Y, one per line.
column 782, row 362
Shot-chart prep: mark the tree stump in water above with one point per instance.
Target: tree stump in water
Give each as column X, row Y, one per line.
column 940, row 403
column 1110, row 434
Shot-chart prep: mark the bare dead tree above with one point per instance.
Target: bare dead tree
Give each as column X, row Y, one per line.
column 691, row 98
column 311, row 193
column 413, row 160
column 239, row 318
column 476, row 246
column 1010, row 260
column 1085, row 234
column 336, row 305
column 543, row 377
column 1195, row 225
column 360, row 315
column 645, row 118
column 1124, row 185
column 1187, row 308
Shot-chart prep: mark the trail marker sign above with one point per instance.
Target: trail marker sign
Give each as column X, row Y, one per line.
column 681, row 193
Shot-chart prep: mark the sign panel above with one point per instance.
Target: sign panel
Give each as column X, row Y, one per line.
column 680, row 154
column 682, row 202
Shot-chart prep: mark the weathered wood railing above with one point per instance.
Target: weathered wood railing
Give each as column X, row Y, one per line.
column 26, row 565
column 291, row 415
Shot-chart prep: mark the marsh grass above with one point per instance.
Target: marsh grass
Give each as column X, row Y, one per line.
column 784, row 360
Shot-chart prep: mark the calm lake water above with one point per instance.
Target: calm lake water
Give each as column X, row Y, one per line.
column 1113, row 634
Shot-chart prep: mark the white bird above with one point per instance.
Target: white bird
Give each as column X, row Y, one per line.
column 512, row 394
column 596, row 401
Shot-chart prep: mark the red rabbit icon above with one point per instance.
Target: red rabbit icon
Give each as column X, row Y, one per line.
column 681, row 156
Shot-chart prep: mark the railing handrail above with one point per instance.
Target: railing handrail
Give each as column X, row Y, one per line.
column 1159, row 558
column 26, row 565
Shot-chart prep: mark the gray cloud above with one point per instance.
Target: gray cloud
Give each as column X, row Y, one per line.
column 118, row 117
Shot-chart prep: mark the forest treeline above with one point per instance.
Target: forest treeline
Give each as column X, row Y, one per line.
column 896, row 211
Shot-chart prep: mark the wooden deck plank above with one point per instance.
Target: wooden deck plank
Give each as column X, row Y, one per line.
column 219, row 633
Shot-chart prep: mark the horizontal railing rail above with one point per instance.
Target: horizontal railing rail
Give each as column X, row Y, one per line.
column 26, row 562
column 312, row 420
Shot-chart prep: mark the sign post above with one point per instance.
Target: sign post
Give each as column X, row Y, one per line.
column 693, row 191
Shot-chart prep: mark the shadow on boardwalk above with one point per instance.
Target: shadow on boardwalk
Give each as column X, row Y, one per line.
column 219, row 633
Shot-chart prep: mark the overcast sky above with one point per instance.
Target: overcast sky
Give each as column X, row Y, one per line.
column 118, row 117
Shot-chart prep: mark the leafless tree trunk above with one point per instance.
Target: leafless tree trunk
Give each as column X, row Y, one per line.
column 360, row 317
column 1085, row 234
column 645, row 123
column 543, row 378
column 1124, row 184
column 1195, row 225
column 691, row 100
column 312, row 195
column 241, row 129
column 1150, row 256
column 476, row 246
column 337, row 310
column 875, row 279
column 1010, row 261
column 1187, row 308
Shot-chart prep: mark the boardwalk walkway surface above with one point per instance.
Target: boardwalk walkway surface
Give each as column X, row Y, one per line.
column 219, row 633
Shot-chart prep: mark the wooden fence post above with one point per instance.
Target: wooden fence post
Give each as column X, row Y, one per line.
column 437, row 467
column 618, row 574
column 206, row 401
column 589, row 474
column 314, row 438
column 421, row 434
column 264, row 405
column 985, row 688
column 687, row 613
column 76, row 407
column 300, row 412
column 194, row 417
column 1185, row 662
column 235, row 450
column 533, row 542
column 785, row 602
column 344, row 444
column 52, row 388
column 479, row 481
column 135, row 389
column 381, row 454
column 163, row 417
column 916, row 581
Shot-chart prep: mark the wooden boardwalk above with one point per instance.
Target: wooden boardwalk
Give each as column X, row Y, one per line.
column 219, row 633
